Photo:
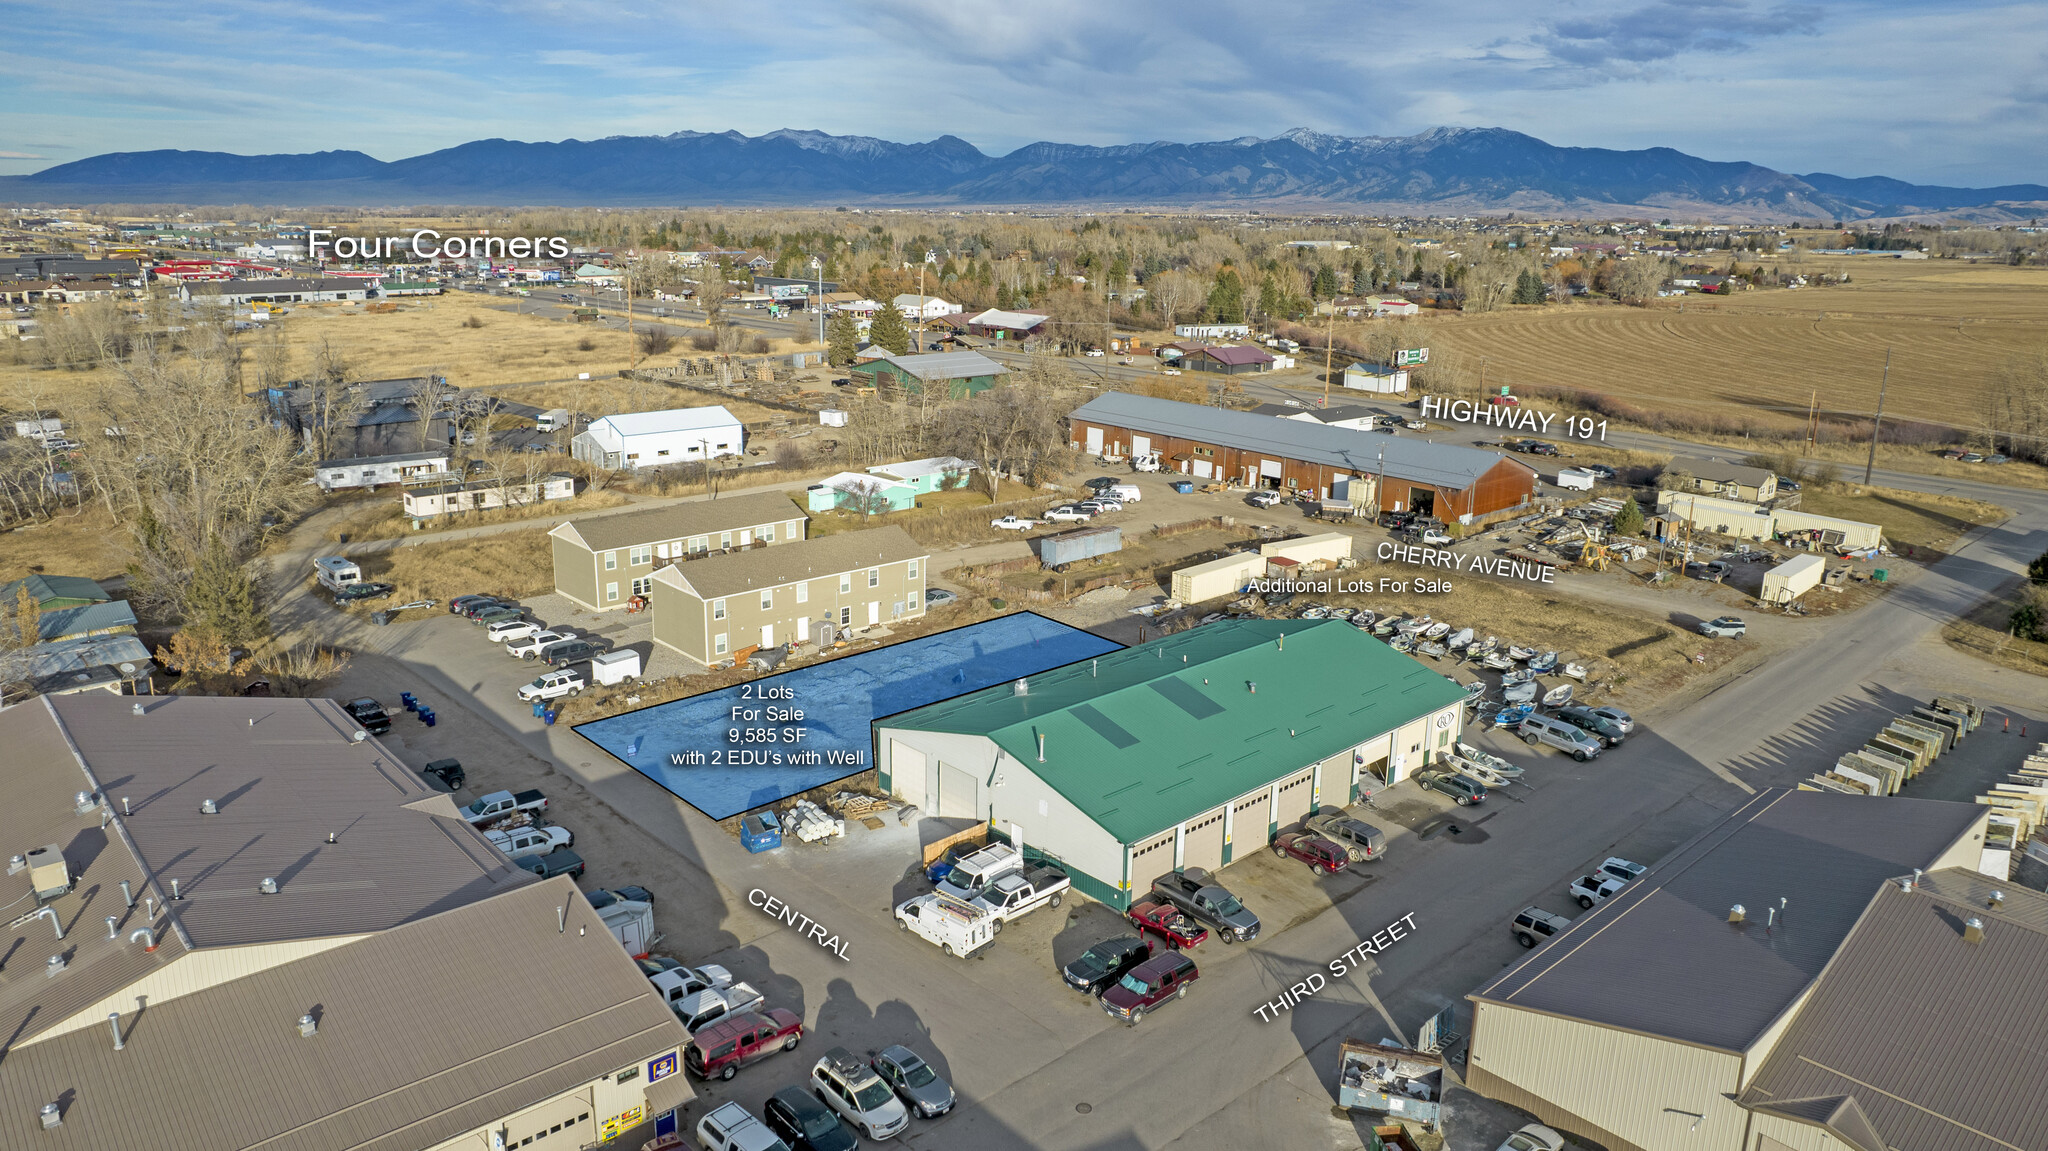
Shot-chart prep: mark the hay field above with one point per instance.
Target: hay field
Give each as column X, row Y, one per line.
column 1951, row 328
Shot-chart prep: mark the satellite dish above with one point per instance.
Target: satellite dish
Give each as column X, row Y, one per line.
column 128, row 669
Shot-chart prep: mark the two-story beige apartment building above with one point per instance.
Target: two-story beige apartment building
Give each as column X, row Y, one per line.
column 709, row 609
column 602, row 562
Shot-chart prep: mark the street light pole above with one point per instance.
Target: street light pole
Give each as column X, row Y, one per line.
column 818, row 266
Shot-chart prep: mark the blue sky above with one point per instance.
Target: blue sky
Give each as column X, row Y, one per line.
column 1952, row 92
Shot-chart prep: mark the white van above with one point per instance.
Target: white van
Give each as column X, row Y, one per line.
column 1128, row 493
column 552, row 420
column 336, row 572
column 956, row 928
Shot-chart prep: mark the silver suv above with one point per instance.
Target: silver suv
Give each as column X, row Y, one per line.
column 850, row 1087
column 1533, row 925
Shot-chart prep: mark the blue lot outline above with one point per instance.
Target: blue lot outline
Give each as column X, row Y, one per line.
column 840, row 699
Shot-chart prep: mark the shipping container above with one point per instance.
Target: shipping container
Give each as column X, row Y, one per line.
column 1792, row 579
column 1074, row 546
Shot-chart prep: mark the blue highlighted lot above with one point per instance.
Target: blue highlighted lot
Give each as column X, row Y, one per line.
column 741, row 747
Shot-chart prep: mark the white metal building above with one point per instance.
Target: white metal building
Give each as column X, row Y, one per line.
column 654, row 439
column 371, row 471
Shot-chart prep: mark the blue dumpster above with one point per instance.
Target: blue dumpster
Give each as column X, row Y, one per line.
column 1184, row 487
column 761, row 831
column 549, row 717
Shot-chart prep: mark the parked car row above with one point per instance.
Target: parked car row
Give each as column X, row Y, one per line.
column 1532, row 925
column 848, row 1097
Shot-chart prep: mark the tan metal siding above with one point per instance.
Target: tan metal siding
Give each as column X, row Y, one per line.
column 1644, row 1090
column 1150, row 860
column 1204, row 844
column 1293, row 799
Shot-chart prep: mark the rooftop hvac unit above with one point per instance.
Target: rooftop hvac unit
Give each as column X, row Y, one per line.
column 48, row 875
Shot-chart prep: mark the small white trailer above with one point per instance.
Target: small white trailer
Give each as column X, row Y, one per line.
column 612, row 667
column 1793, row 578
column 1577, row 479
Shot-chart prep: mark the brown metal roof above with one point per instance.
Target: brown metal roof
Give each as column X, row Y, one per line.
column 1939, row 1039
column 424, row 1032
column 1661, row 957
column 1838, row 1115
column 788, row 563
column 679, row 521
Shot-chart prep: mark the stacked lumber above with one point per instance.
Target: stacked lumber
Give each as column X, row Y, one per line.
column 810, row 823
column 850, row 804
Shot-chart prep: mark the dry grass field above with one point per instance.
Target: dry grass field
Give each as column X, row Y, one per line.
column 1986, row 633
column 79, row 542
column 1950, row 327
column 508, row 564
column 384, row 517
column 1919, row 521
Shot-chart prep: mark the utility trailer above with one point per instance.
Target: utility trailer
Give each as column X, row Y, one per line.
column 1058, row 551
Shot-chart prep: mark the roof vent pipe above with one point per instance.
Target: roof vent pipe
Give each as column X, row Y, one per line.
column 127, row 897
column 1905, row 884
column 1041, row 747
column 208, row 807
column 1091, row 667
column 137, row 709
column 308, row 1027
column 149, row 907
column 52, row 1115
column 268, row 886
column 145, row 936
column 1973, row 930
column 1996, row 901
column 114, row 1025
column 1253, row 685
column 562, row 920
column 44, row 912
column 1021, row 687
column 113, row 930
column 124, row 806
column 82, row 802
column 51, row 968
column 174, row 890
column 1736, row 913
column 1282, row 645
column 1916, row 878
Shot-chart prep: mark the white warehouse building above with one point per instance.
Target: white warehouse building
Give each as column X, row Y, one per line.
column 655, row 439
column 1193, row 750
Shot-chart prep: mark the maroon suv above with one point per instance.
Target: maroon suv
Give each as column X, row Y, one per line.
column 1149, row 984
column 1322, row 856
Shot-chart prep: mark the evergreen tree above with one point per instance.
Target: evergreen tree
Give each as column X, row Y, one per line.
column 1226, row 299
column 1528, row 288
column 842, row 339
column 1361, row 279
column 888, row 330
column 1325, row 283
column 1416, row 275
column 1004, row 298
column 1629, row 520
column 1269, row 297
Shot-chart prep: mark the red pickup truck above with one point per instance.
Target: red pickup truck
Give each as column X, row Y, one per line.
column 1167, row 922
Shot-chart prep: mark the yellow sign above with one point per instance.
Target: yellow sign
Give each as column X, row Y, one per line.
column 622, row 1122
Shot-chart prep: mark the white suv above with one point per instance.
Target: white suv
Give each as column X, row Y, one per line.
column 529, row 647
column 508, row 630
column 850, row 1087
column 553, row 685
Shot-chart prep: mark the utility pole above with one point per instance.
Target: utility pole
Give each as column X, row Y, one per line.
column 630, row 341
column 1878, row 423
column 1329, row 349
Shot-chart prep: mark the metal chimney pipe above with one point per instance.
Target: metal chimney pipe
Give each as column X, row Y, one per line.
column 1041, row 747
column 113, row 931
column 149, row 907
column 562, row 920
column 124, row 805
column 114, row 1025
column 174, row 890
column 147, row 937
column 127, row 897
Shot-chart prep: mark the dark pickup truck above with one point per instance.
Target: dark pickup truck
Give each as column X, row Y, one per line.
column 560, row 861
column 370, row 714
column 1195, row 891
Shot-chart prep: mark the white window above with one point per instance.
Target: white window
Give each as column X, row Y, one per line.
column 662, row 452
column 700, row 543
column 725, row 539
column 795, row 532
column 718, row 644
column 912, row 573
column 611, row 561
column 845, row 583
column 640, row 555
column 718, row 609
column 611, row 593
column 803, row 593
column 874, row 577
column 643, row 586
column 767, row 599
column 767, row 533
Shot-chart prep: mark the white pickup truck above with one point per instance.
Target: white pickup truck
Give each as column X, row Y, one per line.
column 1019, row 894
column 679, row 983
column 701, row 1009
column 1595, row 888
column 528, row 647
column 525, row 841
column 953, row 926
column 1013, row 523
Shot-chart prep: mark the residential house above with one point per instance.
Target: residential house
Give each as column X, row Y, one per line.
column 599, row 275
column 933, row 474
column 1228, row 359
column 655, row 439
column 54, row 592
column 114, row 617
column 1212, row 331
column 602, row 560
column 1007, row 325
column 915, row 307
column 424, row 500
column 291, row 961
column 956, row 373
column 710, row 610
column 1719, row 478
column 371, row 471
column 110, row 662
column 861, row 492
column 378, row 418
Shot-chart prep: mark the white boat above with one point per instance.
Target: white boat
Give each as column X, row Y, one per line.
column 1518, row 675
column 1519, row 692
column 1459, row 639
column 1403, row 643
column 1411, row 626
column 1481, row 647
column 1574, row 671
column 1521, row 654
column 1343, row 612
column 1486, row 758
column 1544, row 664
column 1385, row 626
column 1475, row 689
column 1437, row 630
column 1478, row 771
column 1496, row 661
column 1315, row 613
column 1431, row 648
column 1558, row 696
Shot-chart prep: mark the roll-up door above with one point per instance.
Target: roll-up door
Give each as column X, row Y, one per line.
column 1294, row 799
column 1249, row 821
column 1204, row 844
column 906, row 774
column 1094, row 441
column 1203, row 468
column 956, row 794
column 1150, row 860
column 1270, row 468
column 1141, row 445
column 564, row 1122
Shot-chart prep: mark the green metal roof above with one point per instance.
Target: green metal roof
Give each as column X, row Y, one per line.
column 1143, row 738
column 57, row 591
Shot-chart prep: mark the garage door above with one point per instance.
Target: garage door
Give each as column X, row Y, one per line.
column 1294, row 799
column 1094, row 441
column 1204, row 846
column 564, row 1122
column 1202, row 468
column 906, row 774
column 1150, row 860
column 1270, row 468
column 1250, row 820
column 1141, row 445
column 956, row 794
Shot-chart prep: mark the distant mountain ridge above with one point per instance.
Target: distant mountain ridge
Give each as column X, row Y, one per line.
column 1442, row 169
